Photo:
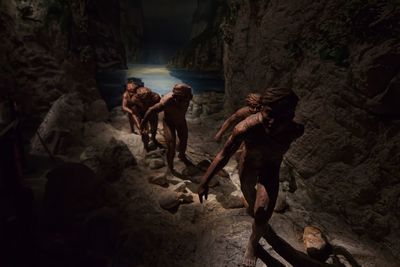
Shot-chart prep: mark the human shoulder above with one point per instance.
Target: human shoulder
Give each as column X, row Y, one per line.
column 166, row 98
column 247, row 124
column 243, row 112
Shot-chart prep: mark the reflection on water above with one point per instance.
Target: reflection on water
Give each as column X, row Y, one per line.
column 156, row 77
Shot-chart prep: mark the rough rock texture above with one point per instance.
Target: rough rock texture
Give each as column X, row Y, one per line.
column 72, row 190
column 110, row 160
column 104, row 31
column 131, row 27
column 205, row 49
column 342, row 59
column 50, row 48
column 122, row 223
column 61, row 127
column 97, row 111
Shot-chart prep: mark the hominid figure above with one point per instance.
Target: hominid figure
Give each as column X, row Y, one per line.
column 145, row 99
column 267, row 136
column 174, row 105
column 130, row 105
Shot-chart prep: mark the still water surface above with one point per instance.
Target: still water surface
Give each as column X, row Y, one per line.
column 156, row 77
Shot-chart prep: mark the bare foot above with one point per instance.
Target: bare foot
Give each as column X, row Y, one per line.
column 250, row 258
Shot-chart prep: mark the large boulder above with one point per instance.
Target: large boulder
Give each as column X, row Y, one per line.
column 97, row 111
column 72, row 191
column 109, row 161
column 62, row 126
column 342, row 60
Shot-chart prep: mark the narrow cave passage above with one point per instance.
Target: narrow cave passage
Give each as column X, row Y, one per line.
column 167, row 28
column 78, row 188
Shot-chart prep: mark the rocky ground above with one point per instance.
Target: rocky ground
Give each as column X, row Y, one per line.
column 118, row 206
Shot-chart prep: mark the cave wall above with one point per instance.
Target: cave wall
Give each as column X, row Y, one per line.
column 342, row 59
column 205, row 49
column 53, row 47
column 131, row 13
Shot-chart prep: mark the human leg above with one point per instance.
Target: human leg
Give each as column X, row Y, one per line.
column 248, row 175
column 182, row 131
column 131, row 123
column 267, row 193
column 170, row 139
column 153, row 129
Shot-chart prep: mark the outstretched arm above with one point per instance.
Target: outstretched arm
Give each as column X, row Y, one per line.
column 220, row 160
column 154, row 109
column 132, row 112
column 233, row 119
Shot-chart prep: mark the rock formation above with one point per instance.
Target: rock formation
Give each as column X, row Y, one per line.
column 54, row 47
column 131, row 27
column 342, row 59
column 205, row 49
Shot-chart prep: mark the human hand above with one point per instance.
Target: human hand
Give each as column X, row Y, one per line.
column 144, row 130
column 202, row 191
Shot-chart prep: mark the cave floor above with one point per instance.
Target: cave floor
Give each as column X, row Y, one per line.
column 210, row 234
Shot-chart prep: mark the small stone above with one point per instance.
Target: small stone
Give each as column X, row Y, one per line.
column 174, row 180
column 179, row 188
column 169, row 200
column 155, row 164
column 186, row 198
column 232, row 201
column 159, row 153
column 159, row 180
column 315, row 242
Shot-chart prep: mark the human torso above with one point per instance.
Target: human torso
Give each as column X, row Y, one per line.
column 174, row 111
column 151, row 100
column 263, row 143
column 131, row 99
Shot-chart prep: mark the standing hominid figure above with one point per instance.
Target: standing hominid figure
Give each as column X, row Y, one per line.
column 145, row 99
column 130, row 105
column 174, row 105
column 252, row 106
column 267, row 136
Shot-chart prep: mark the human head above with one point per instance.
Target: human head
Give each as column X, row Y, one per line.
column 143, row 93
column 254, row 102
column 182, row 91
column 131, row 86
column 279, row 102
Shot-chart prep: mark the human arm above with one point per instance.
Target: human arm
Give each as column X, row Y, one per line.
column 221, row 159
column 233, row 119
column 154, row 109
column 130, row 111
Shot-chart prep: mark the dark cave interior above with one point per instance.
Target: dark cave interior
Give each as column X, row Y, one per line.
column 78, row 188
